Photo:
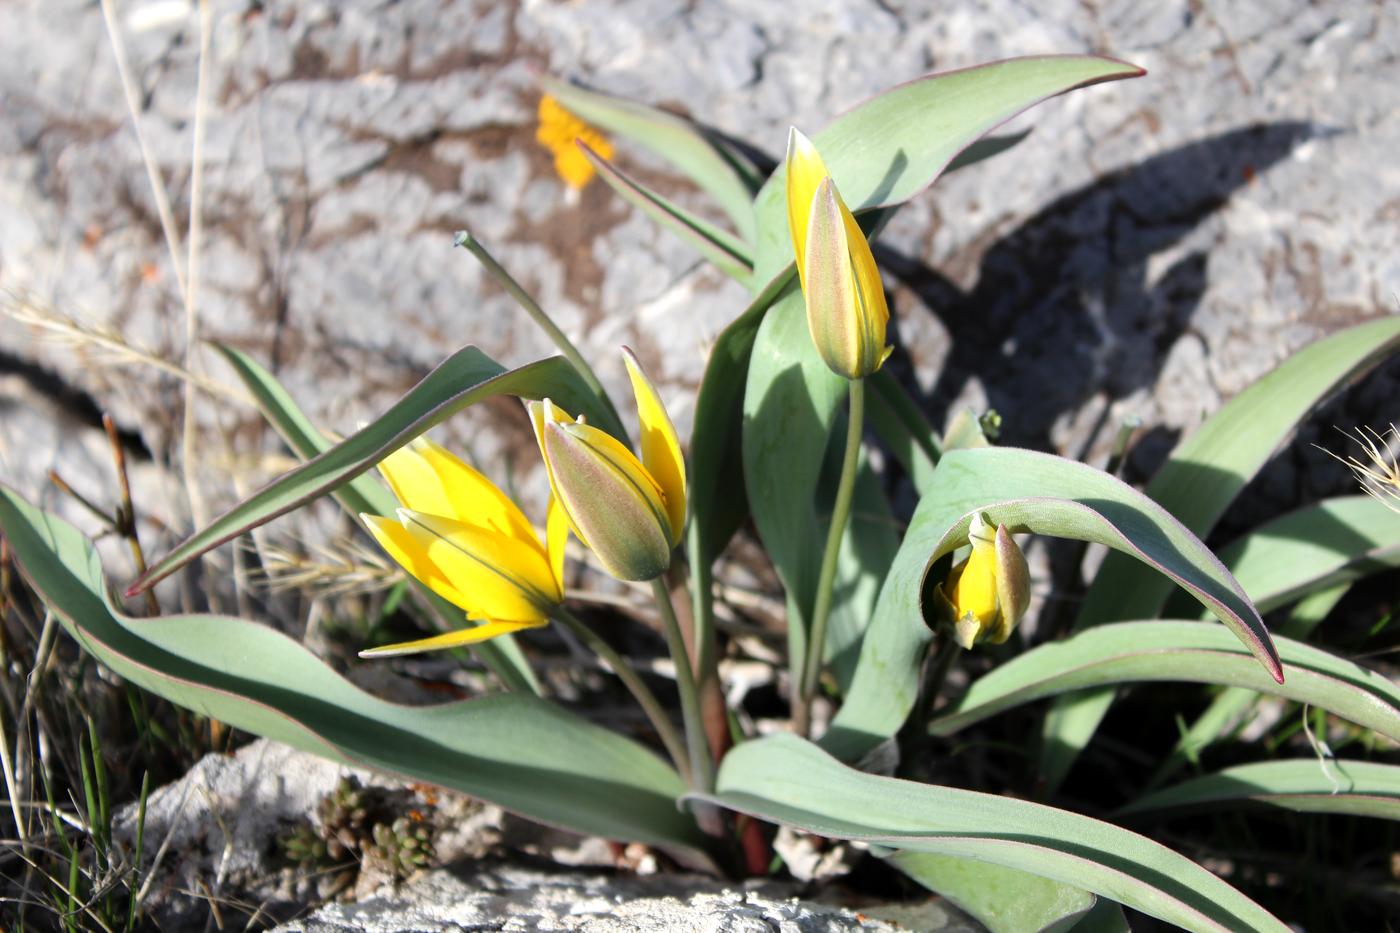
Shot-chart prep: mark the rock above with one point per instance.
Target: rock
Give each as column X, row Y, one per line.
column 217, row 833
column 513, row 898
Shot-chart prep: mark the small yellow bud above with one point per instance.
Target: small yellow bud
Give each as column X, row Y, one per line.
column 986, row 595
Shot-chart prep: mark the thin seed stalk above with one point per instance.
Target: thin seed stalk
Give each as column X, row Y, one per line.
column 655, row 712
column 702, row 770
column 541, row 317
column 826, row 582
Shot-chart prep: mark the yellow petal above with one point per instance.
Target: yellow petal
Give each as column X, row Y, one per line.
column 396, row 540
column 805, row 170
column 833, row 309
column 498, row 576
column 428, row 478
column 556, row 535
column 661, row 450
column 874, row 314
column 611, row 501
column 542, row 413
column 463, row 636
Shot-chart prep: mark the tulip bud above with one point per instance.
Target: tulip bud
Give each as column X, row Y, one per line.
column 986, row 595
column 628, row 511
column 846, row 310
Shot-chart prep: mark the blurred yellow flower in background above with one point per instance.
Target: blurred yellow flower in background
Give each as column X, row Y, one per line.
column 557, row 131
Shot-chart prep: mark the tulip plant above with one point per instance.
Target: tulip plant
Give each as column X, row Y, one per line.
column 875, row 619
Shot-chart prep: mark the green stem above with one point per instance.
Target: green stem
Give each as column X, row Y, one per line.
column 702, row 771
column 675, row 746
column 840, row 514
column 546, row 323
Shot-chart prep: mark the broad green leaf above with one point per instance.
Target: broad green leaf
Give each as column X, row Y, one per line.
column 463, row 379
column 718, row 169
column 1004, row 900
column 1230, row 704
column 790, row 403
column 1312, row 785
column 868, row 546
column 1199, row 480
column 724, row 250
column 1192, row 652
column 788, row 780
column 1026, row 491
column 362, row 494
column 891, row 147
column 516, row 750
column 1317, row 546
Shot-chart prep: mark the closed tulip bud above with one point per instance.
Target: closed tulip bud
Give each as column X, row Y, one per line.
column 986, row 595
column 630, row 512
column 846, row 310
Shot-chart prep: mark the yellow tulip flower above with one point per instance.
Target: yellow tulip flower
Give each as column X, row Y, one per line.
column 846, row 309
column 986, row 595
column 628, row 511
column 469, row 543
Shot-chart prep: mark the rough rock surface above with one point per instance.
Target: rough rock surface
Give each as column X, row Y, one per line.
column 1151, row 248
column 212, row 836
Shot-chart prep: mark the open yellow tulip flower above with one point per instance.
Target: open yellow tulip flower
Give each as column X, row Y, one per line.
column 629, row 511
column 986, row 595
column 846, row 309
column 469, row 543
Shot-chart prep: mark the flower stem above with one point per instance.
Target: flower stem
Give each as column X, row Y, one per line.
column 702, row 771
column 675, row 746
column 840, row 513
column 546, row 323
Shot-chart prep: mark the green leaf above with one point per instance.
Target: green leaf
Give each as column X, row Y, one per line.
column 1313, row 553
column 724, row 250
column 717, row 168
column 1026, row 491
column 1312, row 785
column 1230, row 705
column 903, row 428
column 515, row 750
column 1191, row 652
column 891, row 147
column 1199, row 480
column 1004, row 900
column 463, row 379
column 788, row 780
column 868, row 547
column 362, row 494
column 1317, row 546
column 790, row 403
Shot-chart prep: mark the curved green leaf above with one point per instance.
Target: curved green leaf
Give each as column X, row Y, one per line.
column 1199, row 480
column 1312, row 553
column 717, row 168
column 362, row 494
column 1193, row 652
column 1230, row 704
column 515, row 750
column 463, row 379
column 903, row 429
column 1333, row 541
column 1026, row 491
column 891, row 147
column 788, row 780
column 1313, row 785
column 724, row 250
column 1004, row 900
